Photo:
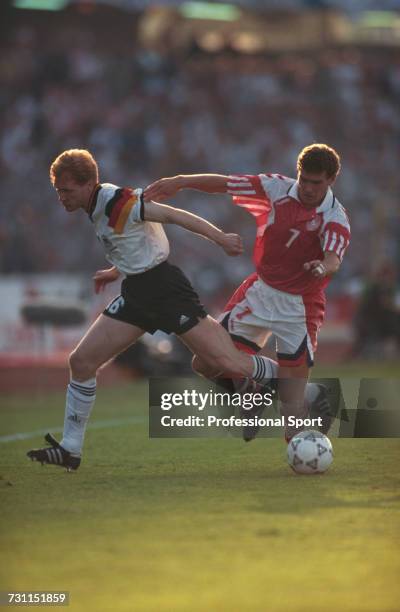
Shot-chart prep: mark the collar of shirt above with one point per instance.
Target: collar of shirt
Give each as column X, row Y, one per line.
column 325, row 205
column 93, row 200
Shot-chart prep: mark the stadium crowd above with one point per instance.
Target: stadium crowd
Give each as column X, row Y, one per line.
column 147, row 114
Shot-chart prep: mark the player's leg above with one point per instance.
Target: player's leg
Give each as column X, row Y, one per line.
column 180, row 311
column 105, row 339
column 244, row 343
column 315, row 394
column 247, row 384
column 248, row 333
column 248, row 318
column 292, row 388
column 316, row 404
column 296, row 335
column 204, row 369
column 295, row 357
column 211, row 343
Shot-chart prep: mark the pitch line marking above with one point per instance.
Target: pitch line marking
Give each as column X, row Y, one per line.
column 96, row 425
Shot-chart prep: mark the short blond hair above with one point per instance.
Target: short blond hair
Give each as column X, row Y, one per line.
column 78, row 163
column 318, row 158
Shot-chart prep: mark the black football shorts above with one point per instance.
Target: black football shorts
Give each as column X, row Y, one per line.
column 161, row 298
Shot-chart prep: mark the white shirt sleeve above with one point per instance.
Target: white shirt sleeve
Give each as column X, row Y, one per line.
column 136, row 214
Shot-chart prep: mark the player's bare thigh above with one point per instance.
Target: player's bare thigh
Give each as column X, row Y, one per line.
column 105, row 339
column 211, row 343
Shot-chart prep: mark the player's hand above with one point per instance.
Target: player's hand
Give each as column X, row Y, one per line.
column 232, row 244
column 316, row 267
column 103, row 277
column 162, row 189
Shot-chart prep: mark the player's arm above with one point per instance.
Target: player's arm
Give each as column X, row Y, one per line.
column 331, row 262
column 323, row 267
column 169, row 186
column 103, row 277
column 162, row 213
column 334, row 242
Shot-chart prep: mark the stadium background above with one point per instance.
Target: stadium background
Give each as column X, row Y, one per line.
column 160, row 89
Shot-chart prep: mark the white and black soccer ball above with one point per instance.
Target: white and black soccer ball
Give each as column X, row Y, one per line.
column 310, row 452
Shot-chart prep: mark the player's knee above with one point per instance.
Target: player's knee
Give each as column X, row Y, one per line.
column 81, row 367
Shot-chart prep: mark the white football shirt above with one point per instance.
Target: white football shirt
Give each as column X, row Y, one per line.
column 131, row 244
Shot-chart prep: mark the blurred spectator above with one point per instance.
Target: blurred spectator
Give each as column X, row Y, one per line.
column 377, row 323
column 148, row 114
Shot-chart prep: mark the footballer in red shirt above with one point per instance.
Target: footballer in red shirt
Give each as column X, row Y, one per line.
column 302, row 234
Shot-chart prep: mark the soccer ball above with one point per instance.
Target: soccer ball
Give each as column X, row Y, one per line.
column 309, row 452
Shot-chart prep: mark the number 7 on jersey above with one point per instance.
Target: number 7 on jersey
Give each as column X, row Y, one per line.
column 295, row 234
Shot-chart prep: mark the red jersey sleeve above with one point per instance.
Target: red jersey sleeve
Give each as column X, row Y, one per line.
column 336, row 233
column 246, row 185
column 248, row 192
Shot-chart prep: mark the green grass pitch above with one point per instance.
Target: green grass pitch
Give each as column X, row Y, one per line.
column 197, row 524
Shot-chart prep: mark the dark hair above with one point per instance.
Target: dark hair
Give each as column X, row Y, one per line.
column 78, row 163
column 318, row 158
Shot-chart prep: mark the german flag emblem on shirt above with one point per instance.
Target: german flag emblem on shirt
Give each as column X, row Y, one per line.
column 119, row 207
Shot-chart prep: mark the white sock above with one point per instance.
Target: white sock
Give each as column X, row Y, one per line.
column 264, row 368
column 311, row 393
column 79, row 403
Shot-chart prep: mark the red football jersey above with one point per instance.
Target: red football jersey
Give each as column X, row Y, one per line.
column 288, row 234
